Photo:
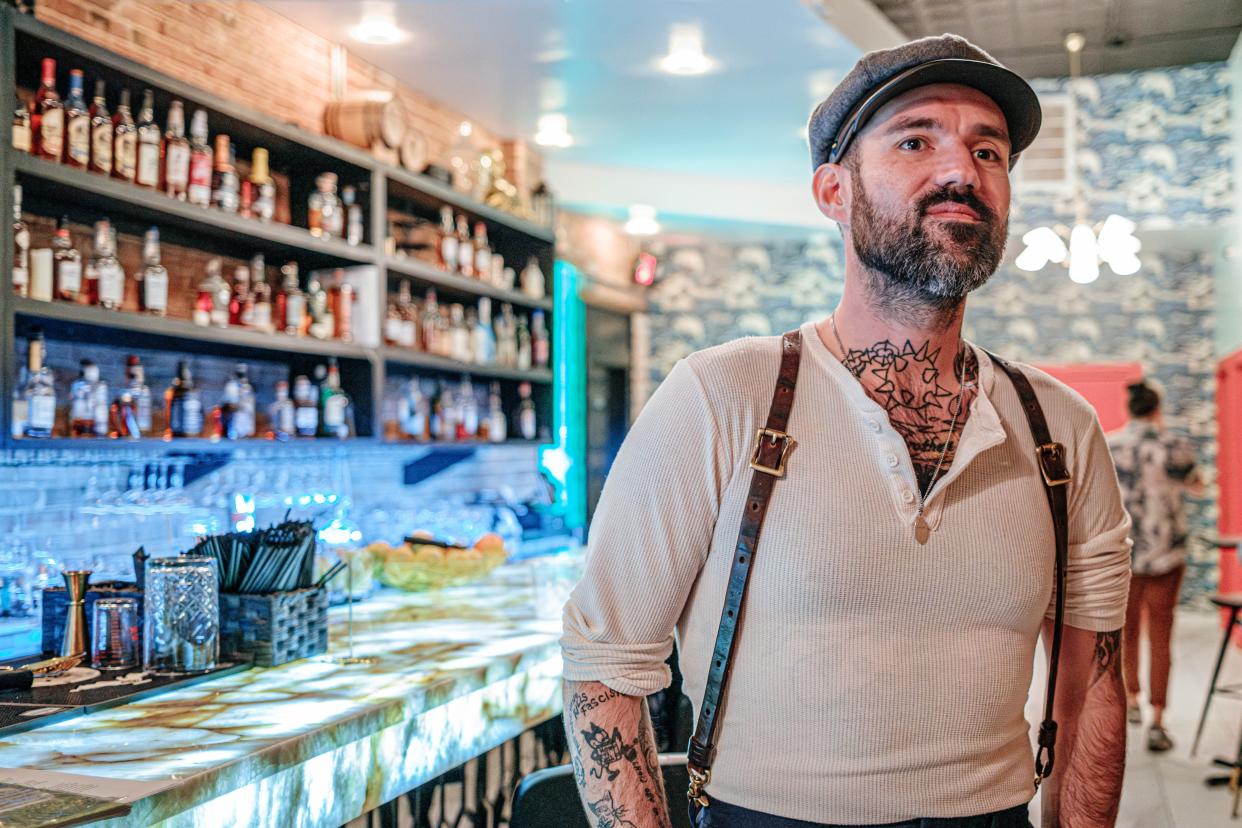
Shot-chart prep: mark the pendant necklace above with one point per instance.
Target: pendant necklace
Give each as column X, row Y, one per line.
column 922, row 531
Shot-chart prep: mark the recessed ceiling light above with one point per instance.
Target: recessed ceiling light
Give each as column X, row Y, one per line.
column 553, row 131
column 642, row 221
column 378, row 25
column 685, row 52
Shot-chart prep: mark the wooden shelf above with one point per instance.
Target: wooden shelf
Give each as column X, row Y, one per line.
column 417, row 359
column 406, row 184
column 200, row 339
column 69, row 189
column 459, row 284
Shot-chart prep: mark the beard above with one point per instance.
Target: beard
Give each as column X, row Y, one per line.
column 911, row 270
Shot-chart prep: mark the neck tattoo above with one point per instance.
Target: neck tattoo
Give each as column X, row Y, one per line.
column 922, row 531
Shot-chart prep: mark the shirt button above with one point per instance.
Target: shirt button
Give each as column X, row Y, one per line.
column 892, row 461
column 907, row 495
column 875, row 425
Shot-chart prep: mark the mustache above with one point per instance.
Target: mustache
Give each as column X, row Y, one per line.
column 956, row 196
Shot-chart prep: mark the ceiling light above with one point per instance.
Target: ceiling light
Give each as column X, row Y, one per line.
column 685, row 52
column 378, row 25
column 553, row 131
column 642, row 221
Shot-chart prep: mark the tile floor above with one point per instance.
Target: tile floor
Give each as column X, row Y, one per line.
column 1167, row 791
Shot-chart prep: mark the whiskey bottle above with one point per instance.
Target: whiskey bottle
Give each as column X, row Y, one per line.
column 66, row 265
column 414, row 413
column 234, row 418
column 198, row 189
column 459, row 334
column 77, row 124
column 325, row 218
column 540, row 343
column 506, row 337
column 21, row 135
column 465, row 248
column 429, row 329
column 448, row 240
column 175, row 172
column 482, row 337
column 334, row 405
column 124, row 141
column 132, row 409
column 40, row 390
column 21, row 246
column 524, row 349
column 280, row 416
column 82, row 400
column 183, row 406
column 47, row 121
column 102, row 134
column 241, row 306
column 105, row 279
column 408, row 333
column 211, row 308
column 532, row 279
column 393, row 322
column 263, row 190
column 468, row 411
column 305, row 407
column 262, row 291
column 482, row 253
column 153, row 277
column 292, row 313
column 147, row 170
column 322, row 323
column 353, row 216
column 497, row 425
column 527, row 424
column 224, row 186
column 342, row 304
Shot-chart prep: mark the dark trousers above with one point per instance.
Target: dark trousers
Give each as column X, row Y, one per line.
column 723, row 815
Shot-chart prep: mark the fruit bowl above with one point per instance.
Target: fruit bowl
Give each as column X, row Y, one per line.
column 417, row 567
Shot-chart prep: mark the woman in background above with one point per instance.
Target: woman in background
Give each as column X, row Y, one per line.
column 1155, row 468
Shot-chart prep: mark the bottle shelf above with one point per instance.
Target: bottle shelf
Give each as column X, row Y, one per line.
column 418, row 359
column 57, row 188
column 458, row 284
column 422, row 188
column 182, row 332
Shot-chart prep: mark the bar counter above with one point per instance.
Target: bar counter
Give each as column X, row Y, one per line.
column 313, row 742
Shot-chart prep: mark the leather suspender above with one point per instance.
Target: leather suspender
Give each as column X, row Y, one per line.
column 772, row 446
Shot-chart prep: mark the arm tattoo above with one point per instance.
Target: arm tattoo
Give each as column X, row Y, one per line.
column 906, row 382
column 610, row 815
column 1091, row 787
column 1107, row 653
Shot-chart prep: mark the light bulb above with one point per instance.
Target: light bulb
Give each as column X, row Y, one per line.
column 642, row 221
column 1084, row 258
column 685, row 52
column 553, row 131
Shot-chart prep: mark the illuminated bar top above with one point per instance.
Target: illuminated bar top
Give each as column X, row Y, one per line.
column 314, row 742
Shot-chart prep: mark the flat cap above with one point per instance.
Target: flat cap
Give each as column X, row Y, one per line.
column 882, row 75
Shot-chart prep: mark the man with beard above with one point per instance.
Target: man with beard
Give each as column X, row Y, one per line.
column 911, row 519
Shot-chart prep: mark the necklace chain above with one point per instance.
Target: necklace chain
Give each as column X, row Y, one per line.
column 944, row 450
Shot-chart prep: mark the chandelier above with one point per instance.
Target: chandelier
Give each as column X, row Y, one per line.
column 1110, row 242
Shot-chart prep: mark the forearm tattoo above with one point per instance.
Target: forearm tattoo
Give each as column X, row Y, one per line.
column 1091, row 789
column 921, row 404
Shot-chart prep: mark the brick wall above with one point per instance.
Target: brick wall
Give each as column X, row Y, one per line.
column 245, row 52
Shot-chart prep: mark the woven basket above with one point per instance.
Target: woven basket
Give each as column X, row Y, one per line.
column 274, row 629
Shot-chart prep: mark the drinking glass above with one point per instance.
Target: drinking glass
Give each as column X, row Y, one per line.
column 114, row 643
column 181, row 622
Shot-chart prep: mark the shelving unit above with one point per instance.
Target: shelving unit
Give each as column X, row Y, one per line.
column 51, row 190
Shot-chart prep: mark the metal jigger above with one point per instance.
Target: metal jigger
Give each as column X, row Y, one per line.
column 75, row 642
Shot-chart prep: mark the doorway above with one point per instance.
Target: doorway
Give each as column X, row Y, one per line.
column 608, row 395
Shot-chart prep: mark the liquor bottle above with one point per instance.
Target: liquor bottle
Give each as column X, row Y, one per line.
column 105, row 279
column 305, row 407
column 393, row 323
column 183, row 406
column 325, row 217
column 415, row 415
column 245, row 200
column 124, row 141
column 99, row 405
column 334, row 405
column 153, row 277
column 524, row 350
column 527, row 425
column 532, row 279
column 175, row 171
column 497, row 276
column 102, row 133
column 211, row 307
column 22, row 134
column 482, row 337
column 342, row 305
column 459, row 334
column 291, row 313
column 235, row 416
column 17, row 413
column 322, row 323
column 465, row 248
column 444, row 332
column 280, row 416
column 497, row 425
column 131, row 413
column 40, row 275
column 506, row 337
column 21, row 246
column 263, row 190
column 353, row 216
column 262, row 292
column 468, row 410
column 429, row 330
column 77, row 124
column 82, row 401
column 241, row 306
column 47, row 121
column 198, row 188
column 482, row 252
column 408, row 332
column 448, row 240
column 147, row 159
column 66, row 265
column 540, row 343
column 224, row 184
column 40, row 390
column 443, row 424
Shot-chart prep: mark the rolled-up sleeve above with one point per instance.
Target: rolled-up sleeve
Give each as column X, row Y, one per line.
column 1097, row 578
column 648, row 539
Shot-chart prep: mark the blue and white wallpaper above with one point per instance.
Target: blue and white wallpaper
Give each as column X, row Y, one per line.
column 1154, row 146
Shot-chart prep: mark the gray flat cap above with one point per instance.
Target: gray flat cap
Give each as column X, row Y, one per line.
column 882, row 75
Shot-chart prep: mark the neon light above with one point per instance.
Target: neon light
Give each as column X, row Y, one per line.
column 564, row 462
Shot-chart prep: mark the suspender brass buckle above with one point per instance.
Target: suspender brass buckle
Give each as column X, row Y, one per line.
column 1052, row 464
column 775, row 437
column 698, row 780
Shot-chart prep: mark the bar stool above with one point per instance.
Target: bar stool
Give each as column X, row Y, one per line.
column 1232, row 602
column 548, row 798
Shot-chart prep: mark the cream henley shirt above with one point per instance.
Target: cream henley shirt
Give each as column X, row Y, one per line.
column 874, row 680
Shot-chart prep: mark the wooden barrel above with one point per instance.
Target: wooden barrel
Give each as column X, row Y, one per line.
column 414, row 151
column 366, row 121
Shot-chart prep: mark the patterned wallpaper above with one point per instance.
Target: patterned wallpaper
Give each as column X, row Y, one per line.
column 1155, row 146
